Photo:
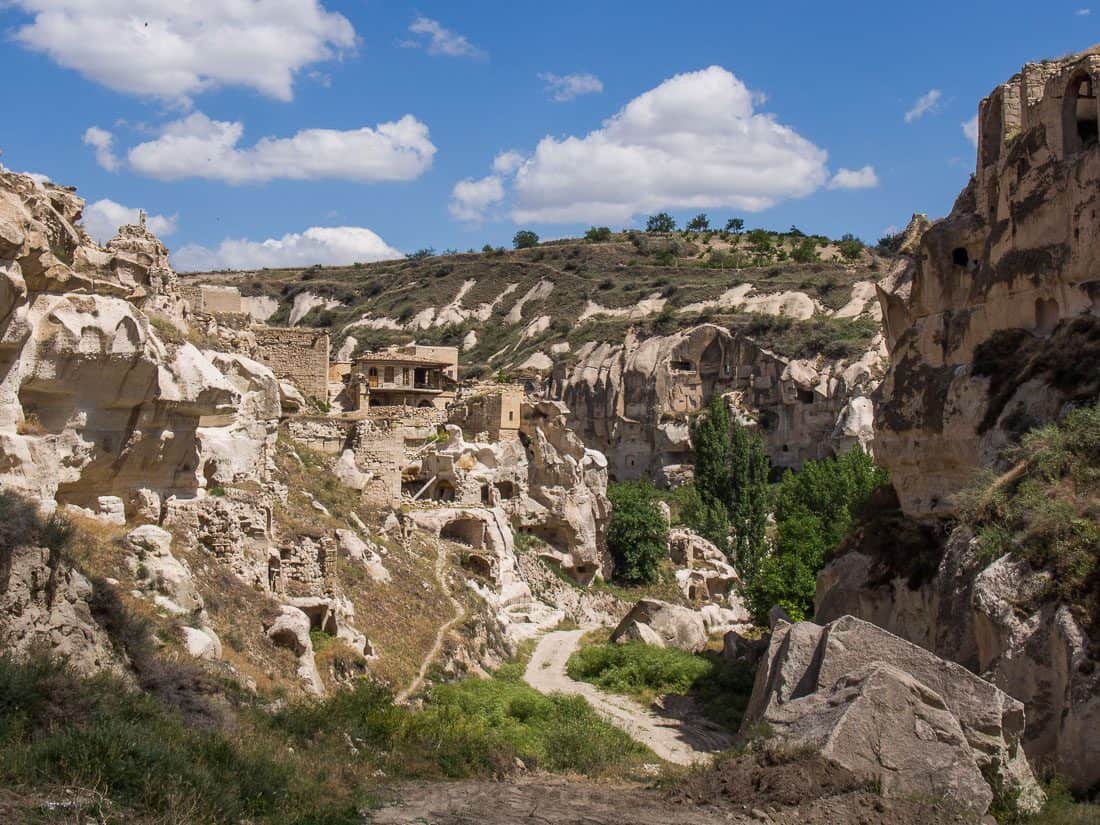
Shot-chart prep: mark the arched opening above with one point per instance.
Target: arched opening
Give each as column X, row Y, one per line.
column 443, row 491
column 960, row 257
column 479, row 566
column 486, row 495
column 468, row 531
column 372, row 376
column 275, row 574
column 1046, row 315
column 1080, row 116
column 424, row 403
column 507, row 489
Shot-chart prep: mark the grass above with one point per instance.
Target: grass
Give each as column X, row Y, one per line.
column 644, row 672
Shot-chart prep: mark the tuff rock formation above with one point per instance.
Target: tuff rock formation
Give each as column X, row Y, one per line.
column 634, row 401
column 992, row 314
column 892, row 712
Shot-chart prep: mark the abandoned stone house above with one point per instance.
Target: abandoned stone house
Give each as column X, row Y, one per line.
column 410, row 376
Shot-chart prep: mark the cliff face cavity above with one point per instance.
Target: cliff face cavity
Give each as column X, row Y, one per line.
column 993, row 314
column 634, row 401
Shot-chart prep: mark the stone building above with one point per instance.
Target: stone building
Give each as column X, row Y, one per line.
column 214, row 299
column 492, row 413
column 296, row 355
column 410, row 376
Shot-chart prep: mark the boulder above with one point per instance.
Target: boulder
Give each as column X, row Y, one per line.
column 155, row 567
column 675, row 626
column 202, row 643
column 290, row 629
column 884, row 725
column 806, row 659
column 364, row 553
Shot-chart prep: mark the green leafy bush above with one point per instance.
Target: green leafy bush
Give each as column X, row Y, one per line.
column 637, row 535
column 814, row 510
column 598, row 234
column 661, row 222
column 525, row 239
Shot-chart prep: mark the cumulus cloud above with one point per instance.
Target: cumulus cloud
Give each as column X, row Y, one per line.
column 970, row 129
column 694, row 141
column 103, row 143
column 563, row 88
column 437, row 39
column 864, row 178
column 103, row 218
column 177, row 50
column 926, row 103
column 328, row 245
column 1083, row 12
column 471, row 199
column 507, row 162
column 199, row 147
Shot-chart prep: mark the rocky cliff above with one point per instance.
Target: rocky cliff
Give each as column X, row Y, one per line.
column 992, row 316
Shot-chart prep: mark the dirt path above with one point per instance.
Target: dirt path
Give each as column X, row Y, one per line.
column 441, row 559
column 684, row 742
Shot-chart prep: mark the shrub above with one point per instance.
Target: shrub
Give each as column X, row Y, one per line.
column 525, row 239
column 421, row 254
column 805, row 251
column 598, row 234
column 637, row 535
column 850, row 247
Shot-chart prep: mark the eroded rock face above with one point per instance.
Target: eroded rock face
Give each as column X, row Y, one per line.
column 44, row 607
column 989, row 311
column 665, row 625
column 993, row 621
column 634, row 401
column 869, row 699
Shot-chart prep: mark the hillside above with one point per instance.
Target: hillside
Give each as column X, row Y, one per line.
column 503, row 307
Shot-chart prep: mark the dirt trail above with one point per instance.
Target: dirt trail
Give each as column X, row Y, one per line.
column 683, row 742
column 441, row 560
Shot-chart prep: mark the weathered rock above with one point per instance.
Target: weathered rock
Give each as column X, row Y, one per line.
column 996, row 623
column 158, row 570
column 886, row 726
column 202, row 643
column 290, row 629
column 44, row 606
column 676, row 626
column 364, row 553
column 805, row 659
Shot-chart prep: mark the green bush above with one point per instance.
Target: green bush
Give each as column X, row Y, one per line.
column 1047, row 511
column 814, row 510
column 525, row 239
column 850, row 247
column 598, row 234
column 637, row 535
column 661, row 222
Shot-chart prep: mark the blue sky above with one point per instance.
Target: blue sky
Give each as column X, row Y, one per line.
column 207, row 117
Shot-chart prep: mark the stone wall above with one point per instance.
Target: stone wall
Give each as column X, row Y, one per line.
column 215, row 300
column 296, row 355
column 495, row 411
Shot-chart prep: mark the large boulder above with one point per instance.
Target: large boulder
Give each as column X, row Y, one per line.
column 806, row 659
column 159, row 571
column 884, row 725
column 290, row 629
column 675, row 626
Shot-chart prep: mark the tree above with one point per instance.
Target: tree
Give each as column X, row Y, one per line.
column 850, row 247
column 421, row 254
column 598, row 234
column 637, row 534
column 700, row 223
column 735, row 225
column 525, row 239
column 710, row 438
column 748, row 481
column 805, row 251
column 814, row 510
column 661, row 222
column 889, row 244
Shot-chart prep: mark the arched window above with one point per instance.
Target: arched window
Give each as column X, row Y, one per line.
column 1081, row 119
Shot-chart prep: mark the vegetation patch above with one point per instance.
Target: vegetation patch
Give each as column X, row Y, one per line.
column 720, row 688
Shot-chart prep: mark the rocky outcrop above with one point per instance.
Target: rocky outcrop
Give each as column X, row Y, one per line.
column 703, row 572
column 992, row 313
column 634, row 401
column 45, row 607
column 893, row 712
column 993, row 620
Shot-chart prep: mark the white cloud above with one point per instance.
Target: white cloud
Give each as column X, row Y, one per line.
column 507, row 162
column 198, row 147
column 438, row 39
column 471, row 199
column 970, row 129
column 563, row 88
column 864, row 178
column 176, row 50
column 926, row 104
column 328, row 245
column 103, row 218
column 1083, row 12
column 694, row 141
column 103, row 143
